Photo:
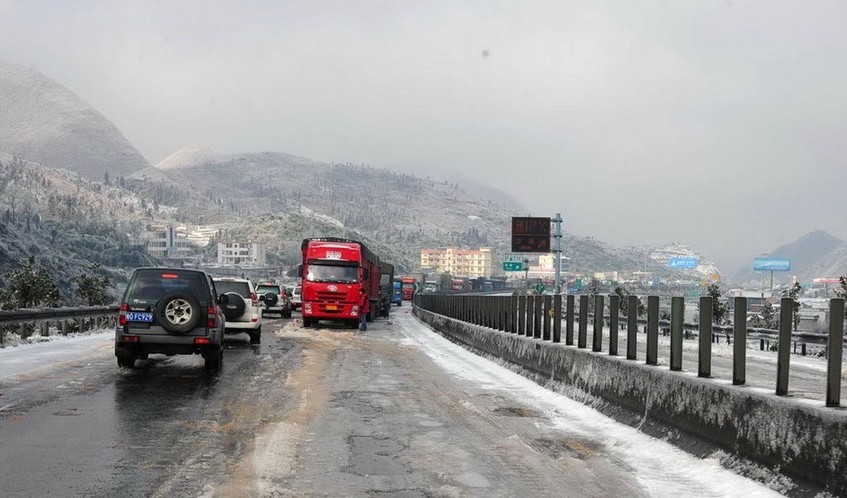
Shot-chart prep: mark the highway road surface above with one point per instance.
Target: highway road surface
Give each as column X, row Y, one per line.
column 397, row 411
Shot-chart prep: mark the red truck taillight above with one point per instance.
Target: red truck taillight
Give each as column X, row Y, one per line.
column 122, row 314
column 212, row 320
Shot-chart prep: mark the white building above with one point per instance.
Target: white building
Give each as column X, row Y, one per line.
column 164, row 242
column 241, row 254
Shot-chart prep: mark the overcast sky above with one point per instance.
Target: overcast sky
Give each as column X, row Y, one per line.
column 718, row 124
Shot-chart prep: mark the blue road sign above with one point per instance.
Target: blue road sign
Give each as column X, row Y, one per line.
column 771, row 264
column 683, row 263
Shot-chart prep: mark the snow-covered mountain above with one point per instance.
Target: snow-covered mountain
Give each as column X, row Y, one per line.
column 44, row 122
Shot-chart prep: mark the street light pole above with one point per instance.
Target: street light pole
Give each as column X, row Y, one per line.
column 558, row 250
column 526, row 271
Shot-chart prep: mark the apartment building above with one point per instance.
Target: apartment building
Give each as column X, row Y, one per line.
column 241, row 254
column 458, row 262
column 165, row 242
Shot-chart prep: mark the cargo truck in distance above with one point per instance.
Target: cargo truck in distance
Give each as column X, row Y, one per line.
column 333, row 272
column 412, row 284
column 408, row 286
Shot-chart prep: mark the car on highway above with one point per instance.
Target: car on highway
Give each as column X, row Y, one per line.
column 275, row 298
column 170, row 311
column 242, row 310
column 297, row 297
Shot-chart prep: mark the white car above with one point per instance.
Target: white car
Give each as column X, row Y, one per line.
column 242, row 311
column 296, row 298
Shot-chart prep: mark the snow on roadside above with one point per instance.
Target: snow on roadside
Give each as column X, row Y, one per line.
column 27, row 359
column 662, row 469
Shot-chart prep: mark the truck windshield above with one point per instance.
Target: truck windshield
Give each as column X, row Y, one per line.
column 327, row 273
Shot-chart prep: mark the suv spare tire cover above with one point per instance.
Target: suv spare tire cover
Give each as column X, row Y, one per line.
column 271, row 298
column 235, row 307
column 178, row 312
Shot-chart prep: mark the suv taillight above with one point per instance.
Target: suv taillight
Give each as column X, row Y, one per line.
column 212, row 320
column 254, row 298
column 122, row 314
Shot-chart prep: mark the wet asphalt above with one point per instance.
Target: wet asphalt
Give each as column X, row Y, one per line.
column 165, row 428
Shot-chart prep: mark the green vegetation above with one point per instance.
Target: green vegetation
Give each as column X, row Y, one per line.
column 30, row 285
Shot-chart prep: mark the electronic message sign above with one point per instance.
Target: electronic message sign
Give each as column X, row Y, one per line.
column 531, row 234
column 771, row 264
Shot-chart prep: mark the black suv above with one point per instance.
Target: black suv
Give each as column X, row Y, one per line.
column 170, row 311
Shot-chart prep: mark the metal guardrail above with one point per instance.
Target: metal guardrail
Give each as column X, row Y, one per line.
column 83, row 318
column 532, row 316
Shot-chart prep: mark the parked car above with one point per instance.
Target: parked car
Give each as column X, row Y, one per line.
column 170, row 311
column 296, row 297
column 242, row 311
column 274, row 298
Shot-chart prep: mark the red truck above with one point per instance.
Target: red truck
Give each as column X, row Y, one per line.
column 333, row 272
column 408, row 286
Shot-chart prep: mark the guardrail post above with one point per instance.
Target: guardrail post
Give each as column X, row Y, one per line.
column 677, row 320
column 597, row 336
column 582, row 338
column 521, row 315
column 739, row 349
column 548, row 316
column 557, row 318
column 530, row 316
column 652, row 330
column 834, row 346
column 498, row 312
column 631, row 327
column 704, row 350
column 614, row 309
column 783, row 356
column 569, row 317
column 538, row 315
column 512, row 302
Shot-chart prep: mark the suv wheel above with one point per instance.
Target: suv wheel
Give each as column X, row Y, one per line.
column 235, row 307
column 256, row 337
column 178, row 312
column 214, row 359
column 126, row 361
column 271, row 299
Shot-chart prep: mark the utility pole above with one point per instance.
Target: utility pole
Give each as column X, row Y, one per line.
column 558, row 250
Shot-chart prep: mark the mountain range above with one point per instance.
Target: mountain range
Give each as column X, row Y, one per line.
column 75, row 191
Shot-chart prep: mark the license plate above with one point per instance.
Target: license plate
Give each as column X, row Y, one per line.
column 331, row 307
column 137, row 316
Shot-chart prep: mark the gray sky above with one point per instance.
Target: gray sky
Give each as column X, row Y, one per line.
column 718, row 124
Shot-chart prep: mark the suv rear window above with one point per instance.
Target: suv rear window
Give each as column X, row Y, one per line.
column 276, row 289
column 240, row 288
column 148, row 286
